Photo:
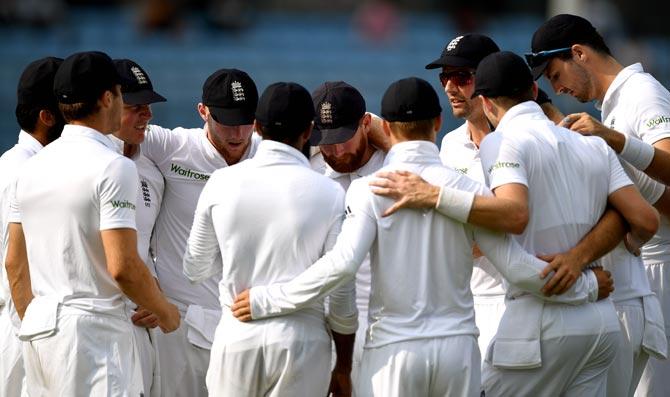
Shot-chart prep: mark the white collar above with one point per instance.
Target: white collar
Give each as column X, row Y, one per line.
column 273, row 151
column 80, row 131
column 524, row 109
column 618, row 81
column 413, row 152
column 29, row 141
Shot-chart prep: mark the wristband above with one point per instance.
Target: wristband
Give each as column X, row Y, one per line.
column 637, row 152
column 455, row 203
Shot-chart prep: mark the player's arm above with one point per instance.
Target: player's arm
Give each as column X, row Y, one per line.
column 336, row 267
column 202, row 247
column 16, row 265
column 523, row 270
column 133, row 277
column 654, row 159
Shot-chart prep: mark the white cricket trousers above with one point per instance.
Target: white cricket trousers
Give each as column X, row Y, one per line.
column 11, row 357
column 245, row 364
column 148, row 360
column 449, row 366
column 90, row 355
column 488, row 312
column 629, row 364
column 572, row 366
column 183, row 366
column 655, row 380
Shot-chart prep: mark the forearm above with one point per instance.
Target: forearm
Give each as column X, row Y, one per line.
column 343, row 313
column 522, row 269
column 344, row 349
column 603, row 238
column 654, row 161
column 19, row 284
column 136, row 282
column 498, row 214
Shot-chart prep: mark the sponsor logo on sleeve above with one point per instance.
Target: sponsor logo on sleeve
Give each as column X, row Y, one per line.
column 503, row 164
column 188, row 173
column 462, row 170
column 656, row 121
column 123, row 204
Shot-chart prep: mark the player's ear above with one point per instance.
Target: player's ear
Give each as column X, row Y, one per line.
column 203, row 111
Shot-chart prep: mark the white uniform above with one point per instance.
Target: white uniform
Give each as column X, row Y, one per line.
column 546, row 349
column 149, row 197
column 76, row 324
column 636, row 104
column 267, row 220
column 186, row 159
column 11, row 365
column 421, row 337
column 375, row 162
column 460, row 153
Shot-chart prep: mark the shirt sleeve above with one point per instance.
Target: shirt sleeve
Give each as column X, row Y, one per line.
column 117, row 193
column 651, row 122
column 522, row 269
column 650, row 189
column 503, row 160
column 158, row 143
column 14, row 213
column 337, row 267
column 202, row 246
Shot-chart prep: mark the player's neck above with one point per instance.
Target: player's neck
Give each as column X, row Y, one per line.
column 478, row 128
column 607, row 70
column 130, row 150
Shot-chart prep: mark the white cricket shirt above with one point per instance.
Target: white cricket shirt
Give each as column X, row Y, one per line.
column 376, row 161
column 421, row 261
column 10, row 166
column 265, row 221
column 65, row 195
column 638, row 105
column 186, row 159
column 460, row 153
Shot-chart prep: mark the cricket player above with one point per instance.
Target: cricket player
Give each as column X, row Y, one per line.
column 268, row 219
column 635, row 116
column 343, row 132
column 421, row 336
column 138, row 95
column 186, row 158
column 72, row 227
column 41, row 122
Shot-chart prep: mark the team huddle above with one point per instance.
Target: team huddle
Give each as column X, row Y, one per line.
column 298, row 245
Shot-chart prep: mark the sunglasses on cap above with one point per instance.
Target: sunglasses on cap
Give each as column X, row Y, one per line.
column 536, row 58
column 460, row 78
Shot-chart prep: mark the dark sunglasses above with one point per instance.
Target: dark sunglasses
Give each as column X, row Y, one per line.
column 460, row 78
column 536, row 58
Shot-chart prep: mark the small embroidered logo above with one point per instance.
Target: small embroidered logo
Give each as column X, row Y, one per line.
column 238, row 91
column 139, row 76
column 453, row 43
column 326, row 113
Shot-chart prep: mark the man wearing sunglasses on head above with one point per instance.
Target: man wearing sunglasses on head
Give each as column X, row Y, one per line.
column 635, row 108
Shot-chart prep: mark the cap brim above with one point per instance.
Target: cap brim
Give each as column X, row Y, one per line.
column 451, row 60
column 144, row 97
column 232, row 116
column 538, row 70
column 332, row 136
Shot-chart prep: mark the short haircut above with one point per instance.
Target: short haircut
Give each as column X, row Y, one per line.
column 510, row 100
column 281, row 134
column 419, row 129
column 78, row 111
column 595, row 42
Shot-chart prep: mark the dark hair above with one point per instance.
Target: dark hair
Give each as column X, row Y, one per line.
column 282, row 134
column 596, row 42
column 78, row 111
column 516, row 98
column 26, row 116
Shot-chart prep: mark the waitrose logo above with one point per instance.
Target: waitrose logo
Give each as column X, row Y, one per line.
column 179, row 170
column 657, row 121
column 503, row 164
column 122, row 204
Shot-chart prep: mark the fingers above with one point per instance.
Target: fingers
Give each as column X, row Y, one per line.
column 393, row 208
column 548, row 288
column 546, row 271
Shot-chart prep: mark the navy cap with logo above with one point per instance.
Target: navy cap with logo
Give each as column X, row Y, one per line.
column 410, row 99
column 37, row 81
column 136, row 86
column 339, row 108
column 231, row 96
column 557, row 36
column 285, row 107
column 502, row 74
column 84, row 76
column 465, row 51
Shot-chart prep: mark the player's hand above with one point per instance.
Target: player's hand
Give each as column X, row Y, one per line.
column 567, row 271
column 605, row 282
column 144, row 318
column 376, row 136
column 633, row 245
column 340, row 383
column 170, row 320
column 407, row 189
column 241, row 308
column 585, row 124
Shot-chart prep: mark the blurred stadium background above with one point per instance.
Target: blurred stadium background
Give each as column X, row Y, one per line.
column 369, row 44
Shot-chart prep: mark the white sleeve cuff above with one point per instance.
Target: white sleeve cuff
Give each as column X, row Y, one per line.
column 637, row 152
column 593, row 285
column 455, row 203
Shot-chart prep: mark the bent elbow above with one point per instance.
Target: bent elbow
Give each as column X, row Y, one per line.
column 517, row 221
column 649, row 224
